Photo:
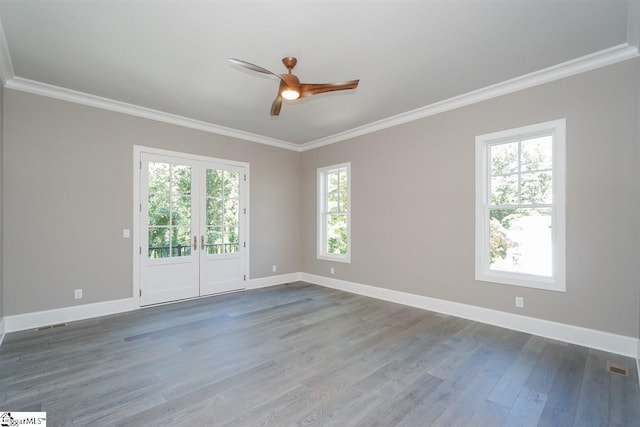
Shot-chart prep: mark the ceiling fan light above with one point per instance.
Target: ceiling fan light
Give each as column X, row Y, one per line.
column 290, row 94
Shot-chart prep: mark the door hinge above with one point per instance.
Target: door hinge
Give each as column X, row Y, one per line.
column 140, row 164
column 140, row 292
column 140, row 207
column 140, row 251
column 244, row 277
column 244, row 245
column 245, row 177
column 245, row 211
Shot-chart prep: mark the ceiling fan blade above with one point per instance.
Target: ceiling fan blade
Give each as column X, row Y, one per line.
column 252, row 67
column 277, row 103
column 308, row 89
column 275, row 107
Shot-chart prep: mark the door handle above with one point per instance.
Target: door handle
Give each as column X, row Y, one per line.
column 195, row 243
column 202, row 242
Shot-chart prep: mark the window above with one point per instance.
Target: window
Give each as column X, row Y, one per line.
column 334, row 216
column 520, row 206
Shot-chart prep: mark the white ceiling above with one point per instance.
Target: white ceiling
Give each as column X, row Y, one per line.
column 172, row 56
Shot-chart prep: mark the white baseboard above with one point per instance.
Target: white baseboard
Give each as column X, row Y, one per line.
column 1, row 330
column 38, row 319
column 280, row 279
column 619, row 344
column 20, row 322
column 613, row 343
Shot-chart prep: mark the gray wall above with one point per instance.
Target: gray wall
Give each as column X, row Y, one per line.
column 413, row 202
column 68, row 195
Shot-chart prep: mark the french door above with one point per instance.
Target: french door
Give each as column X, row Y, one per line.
column 192, row 227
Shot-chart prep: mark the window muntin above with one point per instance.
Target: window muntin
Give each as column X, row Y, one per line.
column 520, row 206
column 334, row 217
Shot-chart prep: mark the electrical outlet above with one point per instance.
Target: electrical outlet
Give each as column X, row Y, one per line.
column 274, row 268
column 77, row 294
column 126, row 233
column 519, row 302
column 333, row 270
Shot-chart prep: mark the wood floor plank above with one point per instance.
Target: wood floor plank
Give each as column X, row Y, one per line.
column 304, row 355
column 562, row 400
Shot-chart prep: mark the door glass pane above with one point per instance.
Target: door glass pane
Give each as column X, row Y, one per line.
column 169, row 210
column 214, row 211
column 214, row 240
column 180, row 241
column 159, row 242
column 223, row 212
column 231, row 240
column 231, row 184
column 159, row 174
column 159, row 209
column 231, row 207
column 181, row 211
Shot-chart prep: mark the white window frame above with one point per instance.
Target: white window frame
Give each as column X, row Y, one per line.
column 322, row 212
column 557, row 281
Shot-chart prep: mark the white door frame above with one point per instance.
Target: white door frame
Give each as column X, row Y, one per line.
column 137, row 159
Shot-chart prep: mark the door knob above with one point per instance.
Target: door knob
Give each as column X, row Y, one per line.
column 195, row 243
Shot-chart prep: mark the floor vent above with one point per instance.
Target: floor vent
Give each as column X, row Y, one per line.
column 58, row 325
column 616, row 368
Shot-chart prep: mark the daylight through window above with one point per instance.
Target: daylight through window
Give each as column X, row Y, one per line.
column 520, row 206
column 334, row 217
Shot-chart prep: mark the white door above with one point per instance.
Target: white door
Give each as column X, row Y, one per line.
column 192, row 218
column 221, row 228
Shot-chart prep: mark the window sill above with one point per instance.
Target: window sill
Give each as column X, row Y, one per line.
column 335, row 258
column 522, row 280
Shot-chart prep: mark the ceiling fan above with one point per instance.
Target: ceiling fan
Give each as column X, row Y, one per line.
column 290, row 86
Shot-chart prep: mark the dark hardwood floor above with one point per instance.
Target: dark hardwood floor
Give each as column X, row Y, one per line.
column 306, row 355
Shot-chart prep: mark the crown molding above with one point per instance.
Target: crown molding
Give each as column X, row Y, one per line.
column 57, row 92
column 589, row 62
column 6, row 66
column 576, row 66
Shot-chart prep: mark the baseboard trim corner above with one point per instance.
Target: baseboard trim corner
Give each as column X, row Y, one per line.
column 606, row 341
column 21, row 322
column 264, row 282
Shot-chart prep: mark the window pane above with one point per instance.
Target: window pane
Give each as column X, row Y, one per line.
column 214, row 212
column 214, row 183
column 231, row 184
column 332, row 202
column 336, row 234
column 181, row 180
column 214, row 240
column 536, row 187
column 537, row 153
column 159, row 177
column 504, row 158
column 343, row 191
column 504, row 190
column 332, row 181
column 521, row 241
column 159, row 242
